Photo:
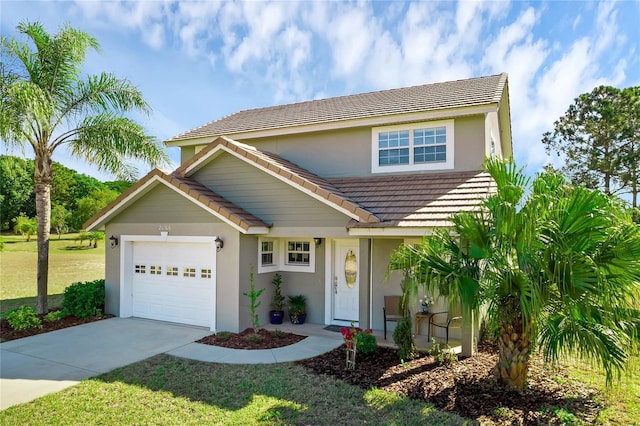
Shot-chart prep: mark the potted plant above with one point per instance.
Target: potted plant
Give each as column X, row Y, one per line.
column 277, row 303
column 297, row 309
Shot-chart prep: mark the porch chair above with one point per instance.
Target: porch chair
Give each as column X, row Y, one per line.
column 443, row 320
column 391, row 311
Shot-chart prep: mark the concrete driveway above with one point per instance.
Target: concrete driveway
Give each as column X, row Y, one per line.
column 46, row 363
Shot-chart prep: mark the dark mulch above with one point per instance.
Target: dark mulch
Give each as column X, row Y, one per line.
column 466, row 387
column 248, row 339
column 7, row 333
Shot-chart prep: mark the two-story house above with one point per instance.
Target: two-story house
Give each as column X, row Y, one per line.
column 300, row 189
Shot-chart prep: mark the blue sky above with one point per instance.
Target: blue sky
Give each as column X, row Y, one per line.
column 198, row 61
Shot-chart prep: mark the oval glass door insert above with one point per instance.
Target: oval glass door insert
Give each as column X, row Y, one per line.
column 350, row 269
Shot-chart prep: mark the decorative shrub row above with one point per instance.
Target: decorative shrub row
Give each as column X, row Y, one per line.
column 84, row 300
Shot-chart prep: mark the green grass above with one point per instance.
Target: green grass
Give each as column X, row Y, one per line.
column 168, row 390
column 622, row 399
column 69, row 262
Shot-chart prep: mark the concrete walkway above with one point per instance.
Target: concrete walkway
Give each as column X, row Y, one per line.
column 47, row 363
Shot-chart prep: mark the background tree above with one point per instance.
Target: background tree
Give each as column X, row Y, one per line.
column 47, row 103
column 59, row 220
column 90, row 205
column 630, row 149
column 594, row 136
column 16, row 189
column 558, row 267
column 25, row 226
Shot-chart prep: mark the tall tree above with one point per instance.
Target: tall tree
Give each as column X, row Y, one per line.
column 594, row 137
column 558, row 267
column 630, row 148
column 46, row 103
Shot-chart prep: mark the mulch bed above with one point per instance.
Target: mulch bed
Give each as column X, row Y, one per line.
column 466, row 387
column 7, row 333
column 248, row 339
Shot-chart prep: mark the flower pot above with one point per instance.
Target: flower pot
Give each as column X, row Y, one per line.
column 297, row 319
column 276, row 317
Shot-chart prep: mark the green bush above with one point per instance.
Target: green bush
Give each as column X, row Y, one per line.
column 84, row 300
column 54, row 316
column 403, row 338
column 223, row 336
column 442, row 356
column 366, row 343
column 23, row 318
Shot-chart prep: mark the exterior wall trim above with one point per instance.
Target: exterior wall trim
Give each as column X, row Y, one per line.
column 390, row 232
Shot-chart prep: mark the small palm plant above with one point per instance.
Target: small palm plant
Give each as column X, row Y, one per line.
column 297, row 309
column 558, row 267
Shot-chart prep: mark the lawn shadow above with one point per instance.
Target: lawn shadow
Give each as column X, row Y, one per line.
column 300, row 397
column 55, row 301
column 75, row 248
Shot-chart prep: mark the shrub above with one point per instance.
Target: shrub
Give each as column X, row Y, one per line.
column 278, row 334
column 84, row 300
column 366, row 343
column 54, row 316
column 223, row 336
column 403, row 338
column 23, row 318
column 253, row 338
column 442, row 356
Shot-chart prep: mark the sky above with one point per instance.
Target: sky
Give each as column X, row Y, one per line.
column 198, row 61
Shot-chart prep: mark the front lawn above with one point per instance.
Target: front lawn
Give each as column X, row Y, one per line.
column 69, row 262
column 168, row 390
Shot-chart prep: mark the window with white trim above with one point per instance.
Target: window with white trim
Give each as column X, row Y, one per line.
column 298, row 253
column 411, row 147
column 286, row 254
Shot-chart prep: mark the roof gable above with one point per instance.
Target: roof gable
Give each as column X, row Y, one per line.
column 429, row 97
column 224, row 210
column 287, row 172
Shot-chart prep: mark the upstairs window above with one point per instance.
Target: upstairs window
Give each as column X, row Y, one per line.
column 412, row 147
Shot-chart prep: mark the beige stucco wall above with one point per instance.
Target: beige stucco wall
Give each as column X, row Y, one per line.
column 347, row 152
column 382, row 285
column 309, row 284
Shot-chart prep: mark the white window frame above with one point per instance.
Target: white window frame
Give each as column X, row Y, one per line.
column 448, row 164
column 276, row 257
column 280, row 246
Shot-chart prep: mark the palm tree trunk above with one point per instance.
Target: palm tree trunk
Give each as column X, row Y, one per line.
column 42, row 175
column 513, row 359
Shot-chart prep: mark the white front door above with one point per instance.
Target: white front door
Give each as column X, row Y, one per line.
column 346, row 281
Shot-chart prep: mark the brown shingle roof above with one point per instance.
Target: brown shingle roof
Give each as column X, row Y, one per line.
column 292, row 173
column 428, row 97
column 421, row 200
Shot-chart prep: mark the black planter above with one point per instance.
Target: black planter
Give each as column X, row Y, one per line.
column 276, row 317
column 297, row 319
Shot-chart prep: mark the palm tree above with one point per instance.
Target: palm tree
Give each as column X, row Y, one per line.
column 557, row 266
column 46, row 103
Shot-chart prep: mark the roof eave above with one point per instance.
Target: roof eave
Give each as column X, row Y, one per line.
column 382, row 120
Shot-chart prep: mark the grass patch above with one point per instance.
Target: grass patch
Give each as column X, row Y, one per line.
column 168, row 390
column 18, row 263
column 622, row 399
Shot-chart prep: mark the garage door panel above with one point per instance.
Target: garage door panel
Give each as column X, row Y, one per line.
column 173, row 282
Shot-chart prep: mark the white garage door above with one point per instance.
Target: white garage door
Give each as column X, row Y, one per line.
column 173, row 281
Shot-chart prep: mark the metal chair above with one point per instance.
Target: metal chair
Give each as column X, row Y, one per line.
column 391, row 311
column 446, row 324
